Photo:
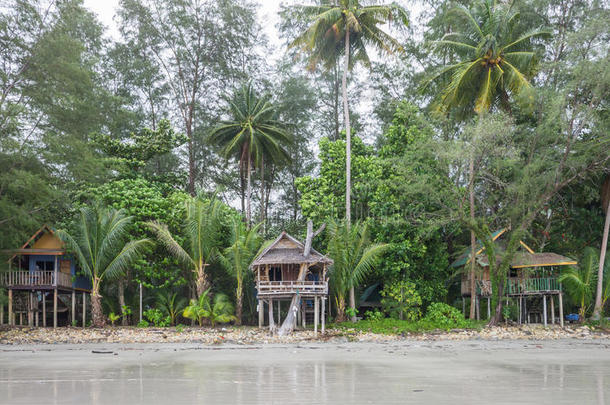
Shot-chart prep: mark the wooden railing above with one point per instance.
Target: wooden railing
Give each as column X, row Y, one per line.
column 24, row 278
column 521, row 286
column 292, row 287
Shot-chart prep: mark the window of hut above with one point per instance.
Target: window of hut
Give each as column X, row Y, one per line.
column 275, row 274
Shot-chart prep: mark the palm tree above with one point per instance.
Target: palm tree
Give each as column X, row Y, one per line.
column 580, row 281
column 495, row 59
column 201, row 238
column 237, row 257
column 354, row 257
column 345, row 28
column 251, row 133
column 217, row 310
column 102, row 249
column 171, row 305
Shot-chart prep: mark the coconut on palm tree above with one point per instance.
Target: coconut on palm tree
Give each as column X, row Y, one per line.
column 200, row 235
column 251, row 132
column 245, row 243
column 354, row 257
column 102, row 247
column 347, row 28
column 494, row 61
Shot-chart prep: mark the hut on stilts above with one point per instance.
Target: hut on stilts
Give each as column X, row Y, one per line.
column 41, row 274
column 533, row 281
column 276, row 273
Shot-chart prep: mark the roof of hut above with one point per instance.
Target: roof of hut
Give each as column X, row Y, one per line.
column 286, row 249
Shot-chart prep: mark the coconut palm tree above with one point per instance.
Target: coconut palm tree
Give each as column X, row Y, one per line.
column 346, row 28
column 251, row 133
column 103, row 250
column 494, row 61
column 354, row 257
column 245, row 243
column 171, row 305
column 200, row 235
column 580, row 281
column 494, row 58
column 218, row 309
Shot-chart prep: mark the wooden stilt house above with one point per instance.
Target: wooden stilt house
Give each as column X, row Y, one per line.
column 533, row 280
column 41, row 273
column 276, row 273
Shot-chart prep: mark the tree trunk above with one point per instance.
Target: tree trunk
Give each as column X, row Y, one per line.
column 98, row 320
column 340, row 309
column 597, row 312
column 263, row 192
column 248, row 192
column 239, row 297
column 121, row 286
column 191, row 153
column 473, row 241
column 201, row 284
column 348, row 159
column 336, row 103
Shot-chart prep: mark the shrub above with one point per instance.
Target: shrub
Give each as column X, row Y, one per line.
column 401, row 300
column 374, row 315
column 444, row 316
column 155, row 316
column 143, row 324
column 113, row 318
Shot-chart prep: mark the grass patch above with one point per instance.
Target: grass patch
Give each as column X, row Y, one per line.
column 390, row 326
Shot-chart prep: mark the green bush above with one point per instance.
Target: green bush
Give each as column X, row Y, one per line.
column 401, row 300
column 155, row 316
column 375, row 315
column 444, row 316
column 143, row 324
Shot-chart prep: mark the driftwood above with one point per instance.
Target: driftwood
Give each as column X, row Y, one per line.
column 290, row 320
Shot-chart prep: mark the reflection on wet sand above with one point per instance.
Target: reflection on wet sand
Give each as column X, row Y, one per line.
column 357, row 375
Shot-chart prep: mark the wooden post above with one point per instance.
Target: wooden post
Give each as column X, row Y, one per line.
column 323, row 314
column 488, row 308
column 73, row 307
column 30, row 311
column 544, row 312
column 303, row 313
column 525, row 316
column 279, row 313
column 520, row 310
column 271, row 320
column 84, row 309
column 561, row 309
column 316, row 314
column 55, row 308
column 140, row 305
column 1, row 314
column 478, row 308
column 463, row 306
column 552, row 310
column 44, row 308
column 261, row 314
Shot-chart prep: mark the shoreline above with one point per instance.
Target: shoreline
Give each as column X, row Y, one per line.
column 246, row 335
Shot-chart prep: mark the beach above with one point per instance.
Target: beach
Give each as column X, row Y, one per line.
column 561, row 371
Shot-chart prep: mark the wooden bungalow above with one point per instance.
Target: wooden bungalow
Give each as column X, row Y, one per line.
column 276, row 272
column 533, row 276
column 39, row 271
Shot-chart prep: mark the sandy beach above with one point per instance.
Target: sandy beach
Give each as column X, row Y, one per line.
column 563, row 371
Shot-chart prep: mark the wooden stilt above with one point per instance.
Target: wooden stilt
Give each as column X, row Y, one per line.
column 323, row 314
column 44, row 308
column 20, row 318
column 55, row 308
column 552, row 309
column 526, row 318
column 36, row 315
column 561, row 309
column 1, row 314
column 478, row 308
column 463, row 306
column 279, row 313
column 73, row 308
column 299, row 314
column 271, row 320
column 316, row 314
column 261, row 313
column 30, row 309
column 520, row 310
column 544, row 312
column 488, row 308
column 84, row 309
column 303, row 314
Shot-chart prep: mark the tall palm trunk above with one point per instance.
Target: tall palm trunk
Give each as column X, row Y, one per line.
column 239, row 303
column 121, row 286
column 348, row 160
column 473, row 288
column 597, row 312
column 263, row 192
column 340, row 309
column 97, row 314
column 249, row 190
column 201, row 284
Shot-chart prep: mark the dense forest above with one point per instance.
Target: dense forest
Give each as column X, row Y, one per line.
column 198, row 138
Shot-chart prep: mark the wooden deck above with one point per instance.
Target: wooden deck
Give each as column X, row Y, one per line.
column 23, row 279
column 282, row 289
column 516, row 286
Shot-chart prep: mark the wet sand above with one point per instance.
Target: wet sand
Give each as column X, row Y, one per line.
column 442, row 372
